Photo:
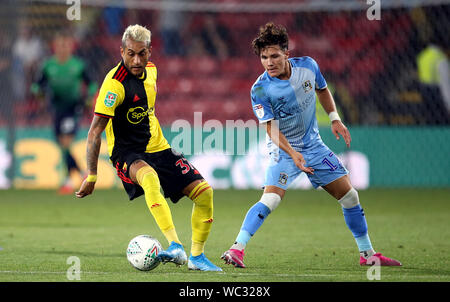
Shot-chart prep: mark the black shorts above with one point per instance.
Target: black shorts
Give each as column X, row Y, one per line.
column 174, row 171
column 65, row 124
column 67, row 121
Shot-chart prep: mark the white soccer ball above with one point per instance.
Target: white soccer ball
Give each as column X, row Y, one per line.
column 142, row 252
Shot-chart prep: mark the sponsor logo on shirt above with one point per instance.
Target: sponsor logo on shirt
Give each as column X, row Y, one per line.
column 137, row 114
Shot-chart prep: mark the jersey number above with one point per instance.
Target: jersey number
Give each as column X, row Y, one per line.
column 185, row 168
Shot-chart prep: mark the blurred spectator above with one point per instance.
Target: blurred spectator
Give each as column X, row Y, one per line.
column 27, row 50
column 5, row 79
column 215, row 37
column 433, row 72
column 95, row 56
column 7, row 116
column 113, row 19
column 196, row 47
column 28, row 47
column 61, row 76
column 171, row 23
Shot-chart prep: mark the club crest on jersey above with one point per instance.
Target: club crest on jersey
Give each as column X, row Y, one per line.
column 110, row 99
column 282, row 180
column 307, row 86
column 259, row 110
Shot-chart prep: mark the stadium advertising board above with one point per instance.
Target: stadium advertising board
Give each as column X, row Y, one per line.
column 379, row 157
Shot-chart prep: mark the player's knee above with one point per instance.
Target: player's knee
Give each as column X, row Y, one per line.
column 203, row 205
column 148, row 178
column 203, row 195
column 350, row 199
column 270, row 200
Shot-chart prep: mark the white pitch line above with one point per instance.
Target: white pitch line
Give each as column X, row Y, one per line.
column 362, row 275
column 279, row 275
column 48, row 273
column 172, row 273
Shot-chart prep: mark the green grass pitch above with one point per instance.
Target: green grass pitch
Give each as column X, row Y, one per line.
column 305, row 239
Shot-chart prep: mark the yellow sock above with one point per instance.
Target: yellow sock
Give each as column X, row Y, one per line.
column 202, row 216
column 157, row 204
column 171, row 235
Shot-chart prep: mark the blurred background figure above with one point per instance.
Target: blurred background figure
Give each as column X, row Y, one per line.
column 215, row 37
column 61, row 79
column 112, row 16
column 171, row 24
column 6, row 68
column 434, row 76
column 7, row 99
column 27, row 52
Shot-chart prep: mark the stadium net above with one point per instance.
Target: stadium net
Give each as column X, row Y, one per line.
column 386, row 62
column 206, row 63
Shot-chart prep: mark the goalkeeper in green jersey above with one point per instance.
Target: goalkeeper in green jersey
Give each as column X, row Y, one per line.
column 61, row 79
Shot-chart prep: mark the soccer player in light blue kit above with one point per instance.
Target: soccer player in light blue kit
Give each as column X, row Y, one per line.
column 284, row 100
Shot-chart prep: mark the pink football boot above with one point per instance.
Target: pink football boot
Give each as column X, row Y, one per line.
column 234, row 257
column 378, row 259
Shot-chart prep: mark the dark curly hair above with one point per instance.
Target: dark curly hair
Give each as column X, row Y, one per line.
column 270, row 34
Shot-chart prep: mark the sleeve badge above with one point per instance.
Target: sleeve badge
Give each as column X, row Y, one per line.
column 259, row 110
column 110, row 99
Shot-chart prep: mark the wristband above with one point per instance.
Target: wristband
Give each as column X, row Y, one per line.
column 91, row 178
column 334, row 116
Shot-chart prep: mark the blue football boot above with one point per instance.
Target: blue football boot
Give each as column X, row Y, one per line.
column 174, row 253
column 201, row 263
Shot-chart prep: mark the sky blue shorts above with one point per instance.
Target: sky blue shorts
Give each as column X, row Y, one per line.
column 327, row 168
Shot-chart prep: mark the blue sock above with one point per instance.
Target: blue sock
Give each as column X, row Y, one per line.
column 243, row 237
column 364, row 243
column 356, row 222
column 253, row 220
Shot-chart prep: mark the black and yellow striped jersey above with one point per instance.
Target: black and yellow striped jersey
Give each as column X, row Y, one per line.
column 129, row 102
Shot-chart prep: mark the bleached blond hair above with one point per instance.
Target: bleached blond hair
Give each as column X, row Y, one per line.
column 136, row 33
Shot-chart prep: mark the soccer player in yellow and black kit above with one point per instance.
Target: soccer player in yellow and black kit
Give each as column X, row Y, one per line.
column 140, row 153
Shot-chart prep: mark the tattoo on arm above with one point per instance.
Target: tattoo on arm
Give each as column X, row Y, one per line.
column 94, row 141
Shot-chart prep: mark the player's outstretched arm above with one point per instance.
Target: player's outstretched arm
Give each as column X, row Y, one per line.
column 328, row 104
column 281, row 141
column 93, row 144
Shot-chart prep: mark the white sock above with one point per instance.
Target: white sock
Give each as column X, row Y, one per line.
column 238, row 246
column 367, row 254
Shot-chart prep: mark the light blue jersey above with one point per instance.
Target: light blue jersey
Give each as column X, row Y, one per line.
column 292, row 103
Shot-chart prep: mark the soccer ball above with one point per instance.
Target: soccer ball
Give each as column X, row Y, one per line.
column 142, row 252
